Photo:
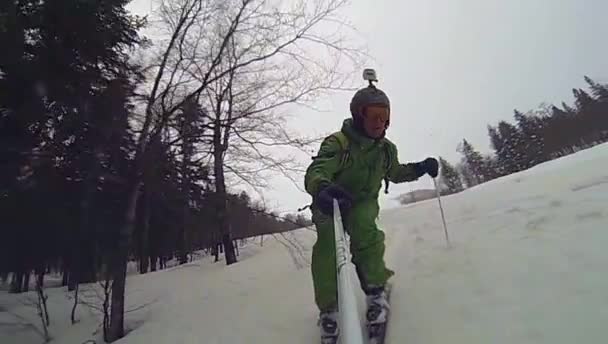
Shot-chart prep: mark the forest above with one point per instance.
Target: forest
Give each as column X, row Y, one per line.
column 538, row 135
column 130, row 139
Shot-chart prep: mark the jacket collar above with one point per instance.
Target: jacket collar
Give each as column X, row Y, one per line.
column 354, row 135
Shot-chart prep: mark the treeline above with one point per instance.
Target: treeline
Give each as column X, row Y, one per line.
column 115, row 147
column 536, row 136
column 52, row 239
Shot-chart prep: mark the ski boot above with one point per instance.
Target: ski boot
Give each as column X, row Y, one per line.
column 377, row 313
column 328, row 322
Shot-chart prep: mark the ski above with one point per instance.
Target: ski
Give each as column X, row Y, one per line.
column 329, row 340
column 377, row 332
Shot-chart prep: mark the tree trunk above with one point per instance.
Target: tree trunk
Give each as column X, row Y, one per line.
column 74, row 305
column 119, row 267
column 229, row 251
column 40, row 276
column 221, row 203
column 117, row 308
column 26, row 282
column 83, row 251
column 144, row 265
column 88, row 273
column 43, row 312
column 216, row 253
column 64, row 277
column 188, row 117
column 16, row 282
column 72, row 280
column 153, row 260
column 145, row 242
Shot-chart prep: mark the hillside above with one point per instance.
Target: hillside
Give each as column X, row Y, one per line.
column 527, row 265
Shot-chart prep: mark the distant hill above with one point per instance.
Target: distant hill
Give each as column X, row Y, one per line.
column 416, row 196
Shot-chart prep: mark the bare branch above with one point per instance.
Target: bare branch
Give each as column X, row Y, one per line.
column 244, row 62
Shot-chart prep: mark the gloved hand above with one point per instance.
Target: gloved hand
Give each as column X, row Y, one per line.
column 428, row 165
column 325, row 199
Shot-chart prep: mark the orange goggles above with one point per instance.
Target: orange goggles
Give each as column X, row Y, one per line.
column 377, row 114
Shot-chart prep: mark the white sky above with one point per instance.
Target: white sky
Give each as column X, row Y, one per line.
column 451, row 67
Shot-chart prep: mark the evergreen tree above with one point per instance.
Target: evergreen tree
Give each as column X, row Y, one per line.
column 467, row 175
column 450, row 178
column 550, row 132
column 531, row 144
column 599, row 91
column 473, row 160
column 510, row 155
column 62, row 130
column 492, row 167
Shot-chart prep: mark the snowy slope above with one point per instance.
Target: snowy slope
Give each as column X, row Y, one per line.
column 528, row 263
column 527, row 266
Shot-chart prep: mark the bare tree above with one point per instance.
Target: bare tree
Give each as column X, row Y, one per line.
column 268, row 65
column 264, row 45
column 106, row 323
column 43, row 312
column 75, row 305
column 153, row 123
column 97, row 298
column 39, row 303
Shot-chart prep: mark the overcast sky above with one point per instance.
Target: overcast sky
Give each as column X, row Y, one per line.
column 451, row 67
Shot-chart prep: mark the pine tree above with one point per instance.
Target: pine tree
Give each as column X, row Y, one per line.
column 599, row 91
column 531, row 144
column 499, row 168
column 60, row 131
column 473, row 161
column 467, row 175
column 492, row 167
column 450, row 178
column 511, row 152
column 542, row 134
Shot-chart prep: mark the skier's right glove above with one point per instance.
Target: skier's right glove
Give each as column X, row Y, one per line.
column 326, row 195
column 428, row 165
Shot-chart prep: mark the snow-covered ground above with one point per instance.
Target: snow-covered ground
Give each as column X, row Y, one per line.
column 527, row 265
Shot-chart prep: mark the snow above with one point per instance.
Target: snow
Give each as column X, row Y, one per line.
column 527, row 265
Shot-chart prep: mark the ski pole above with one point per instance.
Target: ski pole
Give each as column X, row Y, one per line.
column 445, row 227
column 348, row 314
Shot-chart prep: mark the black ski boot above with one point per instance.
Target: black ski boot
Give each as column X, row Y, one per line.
column 328, row 323
column 377, row 306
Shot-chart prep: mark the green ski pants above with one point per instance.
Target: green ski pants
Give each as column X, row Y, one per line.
column 367, row 249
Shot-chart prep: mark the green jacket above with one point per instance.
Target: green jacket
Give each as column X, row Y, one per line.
column 360, row 167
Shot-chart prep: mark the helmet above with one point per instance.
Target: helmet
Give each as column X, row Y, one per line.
column 366, row 97
column 370, row 95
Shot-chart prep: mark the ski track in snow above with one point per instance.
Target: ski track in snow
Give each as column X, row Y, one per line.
column 526, row 265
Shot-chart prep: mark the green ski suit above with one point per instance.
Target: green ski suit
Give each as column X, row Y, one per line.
column 359, row 167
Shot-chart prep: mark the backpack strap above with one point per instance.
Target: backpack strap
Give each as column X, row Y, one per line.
column 389, row 162
column 344, row 145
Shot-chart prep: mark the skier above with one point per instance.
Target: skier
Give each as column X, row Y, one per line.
column 350, row 167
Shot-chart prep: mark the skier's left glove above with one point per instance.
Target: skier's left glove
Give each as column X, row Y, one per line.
column 428, row 165
column 325, row 199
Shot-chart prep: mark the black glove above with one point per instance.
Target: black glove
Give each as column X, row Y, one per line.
column 428, row 165
column 326, row 195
